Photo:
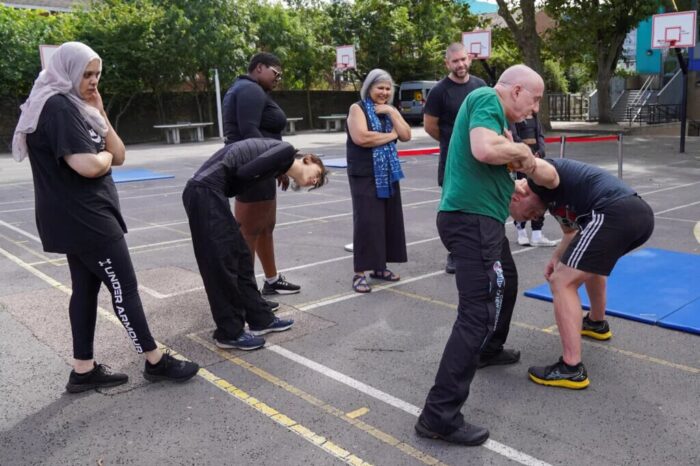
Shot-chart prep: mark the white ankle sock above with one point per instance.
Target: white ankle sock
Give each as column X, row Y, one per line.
column 536, row 235
column 272, row 280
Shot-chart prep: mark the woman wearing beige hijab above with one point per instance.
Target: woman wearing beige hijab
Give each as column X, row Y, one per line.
column 71, row 146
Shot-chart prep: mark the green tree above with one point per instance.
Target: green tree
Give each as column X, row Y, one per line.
column 215, row 34
column 406, row 37
column 519, row 15
column 594, row 31
column 138, row 42
column 21, row 33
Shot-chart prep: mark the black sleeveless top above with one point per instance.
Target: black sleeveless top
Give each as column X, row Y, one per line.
column 360, row 160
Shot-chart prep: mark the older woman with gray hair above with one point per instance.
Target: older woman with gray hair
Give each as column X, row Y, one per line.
column 373, row 126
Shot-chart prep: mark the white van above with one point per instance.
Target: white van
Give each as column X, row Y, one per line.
column 412, row 97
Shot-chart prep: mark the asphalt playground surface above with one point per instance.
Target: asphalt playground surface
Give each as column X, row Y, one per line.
column 347, row 382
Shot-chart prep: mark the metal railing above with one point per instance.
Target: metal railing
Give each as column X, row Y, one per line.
column 567, row 107
column 653, row 114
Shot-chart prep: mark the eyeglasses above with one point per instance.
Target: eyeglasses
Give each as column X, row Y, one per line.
column 278, row 74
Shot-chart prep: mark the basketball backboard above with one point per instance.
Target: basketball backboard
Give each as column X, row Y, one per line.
column 345, row 57
column 673, row 30
column 45, row 52
column 477, row 43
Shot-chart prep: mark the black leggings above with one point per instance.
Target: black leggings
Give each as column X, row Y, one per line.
column 111, row 265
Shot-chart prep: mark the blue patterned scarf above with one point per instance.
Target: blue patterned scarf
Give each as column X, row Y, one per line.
column 387, row 169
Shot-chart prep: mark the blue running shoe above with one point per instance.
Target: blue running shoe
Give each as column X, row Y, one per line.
column 277, row 325
column 245, row 342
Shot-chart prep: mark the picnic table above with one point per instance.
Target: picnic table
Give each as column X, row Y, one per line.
column 172, row 132
column 337, row 119
column 291, row 122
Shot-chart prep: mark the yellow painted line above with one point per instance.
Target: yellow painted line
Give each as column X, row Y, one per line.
column 222, row 384
column 696, row 231
column 288, row 423
column 551, row 331
column 383, row 437
column 357, row 413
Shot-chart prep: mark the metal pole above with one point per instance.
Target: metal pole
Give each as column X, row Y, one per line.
column 619, row 155
column 684, row 95
column 562, row 145
column 218, row 103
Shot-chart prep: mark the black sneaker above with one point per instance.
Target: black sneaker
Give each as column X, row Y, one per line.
column 277, row 325
column 99, row 377
column 505, row 356
column 559, row 375
column 246, row 342
column 597, row 329
column 468, row 434
column 274, row 307
column 170, row 368
column 450, row 265
column 281, row 286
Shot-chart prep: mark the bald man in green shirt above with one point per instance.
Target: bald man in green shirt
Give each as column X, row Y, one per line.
column 473, row 209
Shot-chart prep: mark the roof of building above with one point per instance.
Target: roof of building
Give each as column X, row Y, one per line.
column 50, row 5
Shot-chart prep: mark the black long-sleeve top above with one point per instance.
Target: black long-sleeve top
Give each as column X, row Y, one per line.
column 235, row 167
column 250, row 112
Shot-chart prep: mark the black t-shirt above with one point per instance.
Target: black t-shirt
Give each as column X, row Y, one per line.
column 250, row 112
column 582, row 189
column 235, row 167
column 73, row 214
column 444, row 102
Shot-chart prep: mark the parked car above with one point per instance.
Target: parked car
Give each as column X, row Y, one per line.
column 412, row 97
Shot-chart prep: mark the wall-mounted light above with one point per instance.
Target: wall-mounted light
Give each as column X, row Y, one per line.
column 649, row 52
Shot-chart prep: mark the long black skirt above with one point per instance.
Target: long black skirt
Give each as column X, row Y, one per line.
column 378, row 235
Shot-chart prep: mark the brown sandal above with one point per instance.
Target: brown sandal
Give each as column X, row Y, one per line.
column 360, row 285
column 385, row 274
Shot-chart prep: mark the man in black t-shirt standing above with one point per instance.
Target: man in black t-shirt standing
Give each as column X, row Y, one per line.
column 444, row 102
column 602, row 219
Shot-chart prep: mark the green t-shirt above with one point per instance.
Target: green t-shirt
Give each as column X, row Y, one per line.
column 471, row 186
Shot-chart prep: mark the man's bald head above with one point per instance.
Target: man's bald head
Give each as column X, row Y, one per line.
column 520, row 89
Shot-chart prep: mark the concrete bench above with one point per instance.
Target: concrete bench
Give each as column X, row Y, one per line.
column 291, row 122
column 172, row 132
column 336, row 119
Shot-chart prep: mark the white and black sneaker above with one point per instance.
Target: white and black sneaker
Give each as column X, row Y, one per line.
column 280, row 286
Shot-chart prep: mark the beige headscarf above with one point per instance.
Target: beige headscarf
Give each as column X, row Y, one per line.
column 62, row 75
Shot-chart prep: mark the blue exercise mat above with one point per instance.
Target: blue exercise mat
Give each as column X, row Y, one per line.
column 124, row 175
column 686, row 319
column 339, row 162
column 647, row 286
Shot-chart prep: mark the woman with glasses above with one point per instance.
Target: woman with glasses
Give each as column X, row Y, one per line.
column 250, row 112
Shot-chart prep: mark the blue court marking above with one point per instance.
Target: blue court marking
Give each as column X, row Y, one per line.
column 647, row 286
column 124, row 175
column 686, row 319
column 339, row 162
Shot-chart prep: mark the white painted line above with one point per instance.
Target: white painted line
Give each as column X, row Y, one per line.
column 20, row 231
column 353, row 295
column 496, row 447
column 676, row 219
column 676, row 208
column 159, row 295
column 346, row 380
column 670, row 188
column 696, row 231
column 340, row 258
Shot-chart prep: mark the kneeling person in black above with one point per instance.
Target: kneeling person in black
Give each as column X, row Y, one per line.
column 602, row 219
column 222, row 254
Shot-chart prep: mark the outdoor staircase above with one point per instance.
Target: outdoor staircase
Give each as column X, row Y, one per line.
column 631, row 97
